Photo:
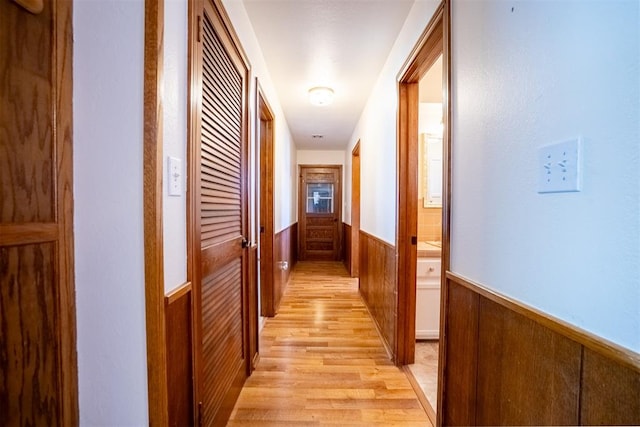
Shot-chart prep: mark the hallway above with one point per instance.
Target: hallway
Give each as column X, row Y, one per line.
column 322, row 361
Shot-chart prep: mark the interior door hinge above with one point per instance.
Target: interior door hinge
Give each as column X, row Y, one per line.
column 414, row 240
column 199, row 30
column 200, row 414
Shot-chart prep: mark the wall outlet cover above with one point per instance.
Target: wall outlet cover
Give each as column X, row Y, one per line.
column 559, row 167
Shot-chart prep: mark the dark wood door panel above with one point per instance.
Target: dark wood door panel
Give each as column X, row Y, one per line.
column 38, row 370
column 320, row 212
column 28, row 348
column 219, row 218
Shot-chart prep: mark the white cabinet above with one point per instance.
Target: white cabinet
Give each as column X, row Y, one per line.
column 428, row 298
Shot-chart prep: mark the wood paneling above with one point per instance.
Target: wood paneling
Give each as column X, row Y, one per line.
column 178, row 312
column 38, row 362
column 460, row 369
column 508, row 364
column 285, row 251
column 378, row 286
column 526, row 373
column 346, row 247
column 610, row 393
column 323, row 363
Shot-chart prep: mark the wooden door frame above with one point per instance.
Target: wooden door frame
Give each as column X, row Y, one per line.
column 435, row 40
column 157, row 383
column 302, row 203
column 354, row 268
column 266, row 207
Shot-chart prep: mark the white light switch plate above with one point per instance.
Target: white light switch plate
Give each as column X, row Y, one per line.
column 559, row 167
column 175, row 176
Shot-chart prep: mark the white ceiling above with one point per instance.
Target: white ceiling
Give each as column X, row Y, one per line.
column 342, row 44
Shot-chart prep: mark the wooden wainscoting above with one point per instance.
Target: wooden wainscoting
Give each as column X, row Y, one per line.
column 346, row 247
column 378, row 285
column 508, row 364
column 178, row 320
column 286, row 250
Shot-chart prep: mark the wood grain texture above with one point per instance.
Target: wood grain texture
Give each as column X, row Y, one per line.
column 218, row 211
column 153, row 232
column 27, row 92
column 266, row 197
column 377, row 284
column 253, row 314
column 178, row 312
column 346, row 250
column 320, row 233
column 322, row 361
column 458, row 402
column 29, row 362
column 36, row 212
column 610, row 392
column 508, row 364
column 527, row 374
column 286, row 242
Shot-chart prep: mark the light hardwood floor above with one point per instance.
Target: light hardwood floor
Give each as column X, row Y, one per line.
column 322, row 361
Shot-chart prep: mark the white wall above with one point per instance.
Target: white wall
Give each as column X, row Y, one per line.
column 376, row 131
column 523, row 78
column 175, row 141
column 541, row 73
column 108, row 215
column 284, row 146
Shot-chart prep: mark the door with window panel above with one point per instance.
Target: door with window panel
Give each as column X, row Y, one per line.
column 320, row 213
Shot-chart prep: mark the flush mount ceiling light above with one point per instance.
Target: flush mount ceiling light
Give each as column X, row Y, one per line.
column 321, row 96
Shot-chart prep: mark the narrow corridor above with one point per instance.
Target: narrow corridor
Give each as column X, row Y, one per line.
column 322, row 361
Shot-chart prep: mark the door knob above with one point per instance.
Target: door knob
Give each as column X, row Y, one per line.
column 245, row 243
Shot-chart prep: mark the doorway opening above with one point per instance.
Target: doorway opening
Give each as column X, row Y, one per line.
column 355, row 212
column 320, row 213
column 429, row 232
column 266, row 247
column 435, row 198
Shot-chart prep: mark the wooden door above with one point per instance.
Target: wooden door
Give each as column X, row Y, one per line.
column 219, row 166
column 320, row 213
column 38, row 369
column 265, row 136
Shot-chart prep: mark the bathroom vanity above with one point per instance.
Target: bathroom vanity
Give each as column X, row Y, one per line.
column 428, row 290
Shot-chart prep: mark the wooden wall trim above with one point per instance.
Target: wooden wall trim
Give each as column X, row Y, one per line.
column 177, row 293
column 153, row 237
column 179, row 348
column 598, row 344
column 63, row 91
column 509, row 364
column 379, row 240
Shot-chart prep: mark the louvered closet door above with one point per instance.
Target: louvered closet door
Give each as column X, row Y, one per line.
column 222, row 207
